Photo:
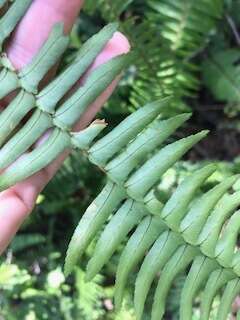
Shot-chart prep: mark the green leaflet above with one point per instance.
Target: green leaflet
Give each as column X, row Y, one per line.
column 154, row 261
column 177, row 206
column 9, row 21
column 209, row 236
column 195, row 219
column 11, row 116
column 121, row 223
column 92, row 221
column 227, row 243
column 216, row 280
column 196, row 278
column 69, row 113
column 37, row 159
column 48, row 98
column 24, row 138
column 146, row 142
column 9, row 82
column 119, row 137
column 177, row 263
column 148, row 175
column 141, row 240
column 229, row 294
column 51, row 51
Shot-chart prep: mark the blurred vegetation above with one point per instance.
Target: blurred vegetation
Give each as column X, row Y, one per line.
column 183, row 47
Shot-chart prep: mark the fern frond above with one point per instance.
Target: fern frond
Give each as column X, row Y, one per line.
column 186, row 230
column 166, row 40
column 221, row 75
column 89, row 297
column 43, row 107
column 181, row 22
column 110, row 9
column 183, row 34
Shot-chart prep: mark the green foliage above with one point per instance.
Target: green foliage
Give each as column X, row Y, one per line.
column 221, row 75
column 185, row 230
column 166, row 39
column 177, row 45
column 89, row 297
column 24, row 241
column 42, row 104
column 183, row 34
column 182, row 25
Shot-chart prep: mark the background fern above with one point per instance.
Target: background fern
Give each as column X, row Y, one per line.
column 173, row 34
column 183, row 72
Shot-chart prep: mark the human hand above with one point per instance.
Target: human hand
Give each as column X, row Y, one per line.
column 17, row 202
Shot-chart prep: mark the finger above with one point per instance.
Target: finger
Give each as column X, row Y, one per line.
column 21, row 198
column 118, row 45
column 35, row 26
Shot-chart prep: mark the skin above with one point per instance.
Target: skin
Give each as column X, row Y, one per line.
column 17, row 202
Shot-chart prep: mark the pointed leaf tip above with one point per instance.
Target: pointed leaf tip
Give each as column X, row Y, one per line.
column 202, row 134
column 113, row 25
column 67, row 270
column 186, row 115
column 183, row 117
column 164, row 100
